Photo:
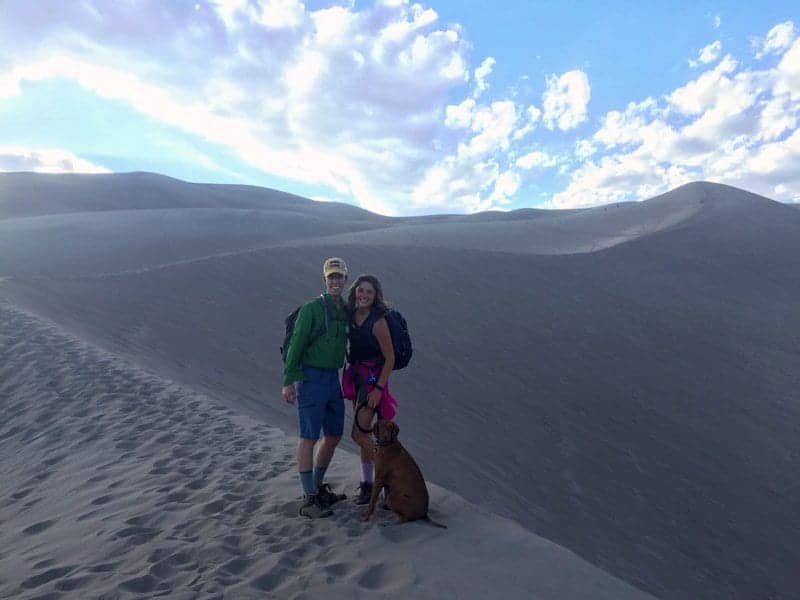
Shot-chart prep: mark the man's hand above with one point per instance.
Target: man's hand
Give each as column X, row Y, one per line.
column 289, row 393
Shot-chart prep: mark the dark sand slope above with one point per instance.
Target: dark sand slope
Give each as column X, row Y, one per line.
column 120, row 484
column 637, row 405
column 533, row 231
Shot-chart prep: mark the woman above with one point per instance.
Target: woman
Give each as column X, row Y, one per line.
column 366, row 379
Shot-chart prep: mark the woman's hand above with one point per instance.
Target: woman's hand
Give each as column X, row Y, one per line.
column 374, row 398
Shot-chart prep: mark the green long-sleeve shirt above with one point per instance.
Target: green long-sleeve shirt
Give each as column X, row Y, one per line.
column 327, row 350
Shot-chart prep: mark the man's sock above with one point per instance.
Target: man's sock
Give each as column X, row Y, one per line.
column 367, row 471
column 319, row 474
column 307, row 481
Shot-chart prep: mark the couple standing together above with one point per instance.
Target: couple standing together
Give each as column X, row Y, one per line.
column 316, row 350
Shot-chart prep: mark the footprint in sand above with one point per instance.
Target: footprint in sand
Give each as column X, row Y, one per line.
column 162, row 569
column 21, row 494
column 137, row 535
column 236, row 566
column 100, row 500
column 30, row 503
column 179, row 497
column 73, row 583
column 384, row 577
column 47, row 577
column 197, row 484
column 54, row 460
column 103, row 567
column 145, row 584
column 214, row 507
column 342, row 569
column 272, row 579
column 39, row 527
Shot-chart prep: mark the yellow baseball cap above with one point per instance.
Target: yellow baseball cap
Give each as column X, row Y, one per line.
column 334, row 265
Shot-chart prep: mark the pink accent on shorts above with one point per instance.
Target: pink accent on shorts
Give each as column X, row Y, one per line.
column 388, row 402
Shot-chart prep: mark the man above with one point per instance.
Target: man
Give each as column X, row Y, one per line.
column 315, row 354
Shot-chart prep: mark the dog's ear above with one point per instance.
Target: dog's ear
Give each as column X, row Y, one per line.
column 394, row 429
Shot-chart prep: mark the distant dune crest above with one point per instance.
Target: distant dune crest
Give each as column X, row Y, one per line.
column 285, row 219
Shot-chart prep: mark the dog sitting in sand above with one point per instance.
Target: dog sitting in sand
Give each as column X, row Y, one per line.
column 397, row 471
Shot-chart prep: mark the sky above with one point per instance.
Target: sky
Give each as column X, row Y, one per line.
column 409, row 108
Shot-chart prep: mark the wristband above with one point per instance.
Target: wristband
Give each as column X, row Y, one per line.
column 378, row 385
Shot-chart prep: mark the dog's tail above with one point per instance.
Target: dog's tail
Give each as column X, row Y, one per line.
column 427, row 519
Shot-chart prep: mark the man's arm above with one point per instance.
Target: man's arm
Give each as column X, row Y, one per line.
column 301, row 336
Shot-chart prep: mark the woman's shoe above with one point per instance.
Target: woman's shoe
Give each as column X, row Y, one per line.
column 364, row 493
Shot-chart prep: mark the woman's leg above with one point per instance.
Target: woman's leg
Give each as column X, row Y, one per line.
column 364, row 440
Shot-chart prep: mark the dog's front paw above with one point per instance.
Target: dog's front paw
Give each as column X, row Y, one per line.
column 366, row 516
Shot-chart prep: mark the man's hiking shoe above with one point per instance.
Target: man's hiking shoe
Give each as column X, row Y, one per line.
column 364, row 492
column 327, row 497
column 313, row 509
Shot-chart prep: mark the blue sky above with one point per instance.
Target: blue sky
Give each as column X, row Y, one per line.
column 407, row 108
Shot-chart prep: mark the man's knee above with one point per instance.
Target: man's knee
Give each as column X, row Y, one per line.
column 305, row 445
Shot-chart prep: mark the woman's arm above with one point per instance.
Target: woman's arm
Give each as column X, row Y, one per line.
column 381, row 332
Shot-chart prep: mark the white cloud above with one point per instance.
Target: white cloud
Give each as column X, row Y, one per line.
column 493, row 126
column 506, row 185
column 616, row 179
column 537, row 158
column 699, row 95
column 778, row 39
column 716, row 21
column 532, row 115
column 584, row 149
column 45, row 160
column 277, row 14
column 788, row 73
column 707, row 55
column 565, row 100
column 776, row 163
column 459, row 116
column 481, row 73
column 777, row 117
column 620, row 128
column 730, row 125
column 272, row 14
column 454, row 182
column 481, row 174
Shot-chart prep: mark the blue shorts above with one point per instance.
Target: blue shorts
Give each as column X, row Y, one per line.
column 320, row 405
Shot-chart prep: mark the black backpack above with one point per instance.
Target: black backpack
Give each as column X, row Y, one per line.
column 290, row 320
column 401, row 340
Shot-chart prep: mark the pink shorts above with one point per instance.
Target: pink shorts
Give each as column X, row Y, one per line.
column 388, row 403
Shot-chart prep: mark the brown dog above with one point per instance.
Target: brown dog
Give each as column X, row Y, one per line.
column 398, row 472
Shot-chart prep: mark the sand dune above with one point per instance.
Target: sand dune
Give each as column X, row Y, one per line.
column 635, row 404
column 119, row 483
column 25, row 195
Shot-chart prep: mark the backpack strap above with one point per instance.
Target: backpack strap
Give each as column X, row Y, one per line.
column 325, row 310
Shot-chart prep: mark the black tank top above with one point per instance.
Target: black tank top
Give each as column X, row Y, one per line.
column 364, row 345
